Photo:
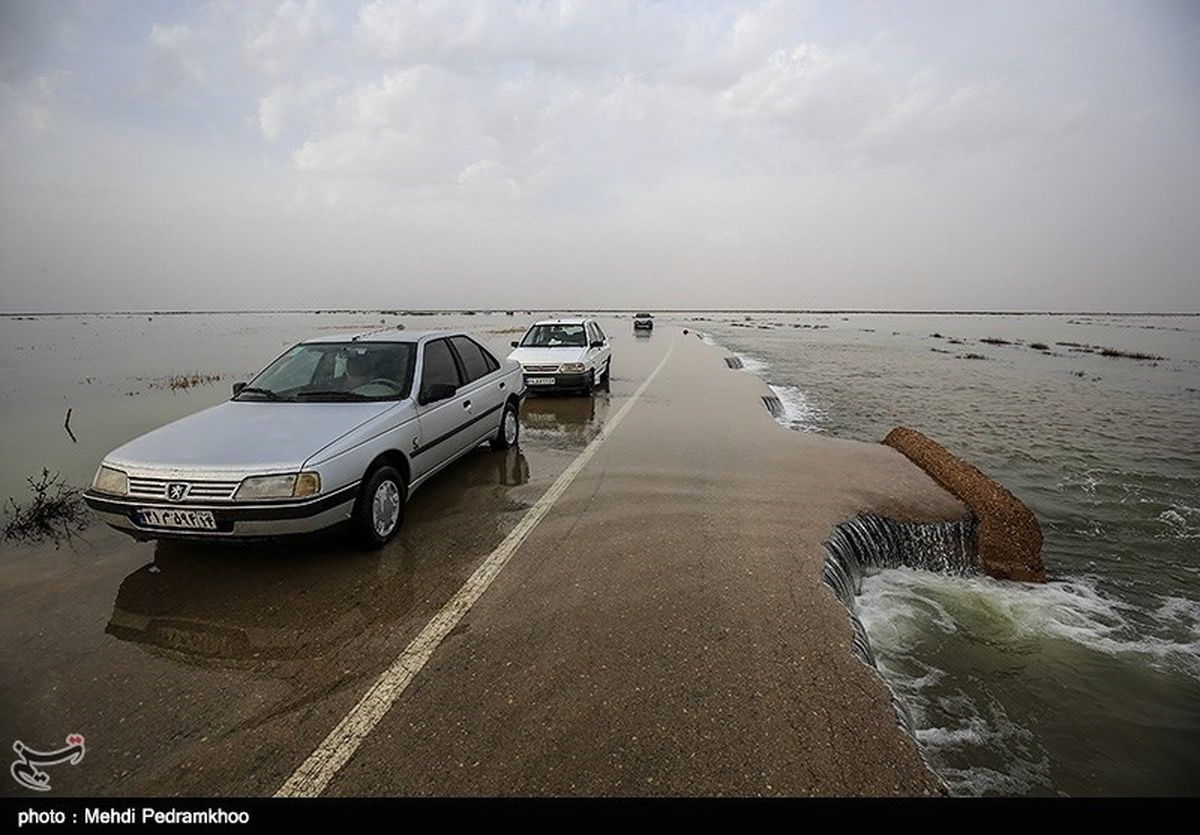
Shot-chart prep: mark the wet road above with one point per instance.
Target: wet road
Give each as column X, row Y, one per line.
column 662, row 631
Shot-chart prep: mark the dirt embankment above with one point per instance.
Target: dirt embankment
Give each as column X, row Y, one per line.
column 1010, row 538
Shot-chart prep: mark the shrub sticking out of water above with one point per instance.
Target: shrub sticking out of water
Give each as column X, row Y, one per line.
column 186, row 381
column 1133, row 355
column 1039, row 346
column 971, row 357
column 55, row 511
column 994, row 340
column 1109, row 352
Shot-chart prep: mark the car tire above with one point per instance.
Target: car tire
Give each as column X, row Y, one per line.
column 607, row 375
column 590, row 386
column 379, row 511
column 509, row 433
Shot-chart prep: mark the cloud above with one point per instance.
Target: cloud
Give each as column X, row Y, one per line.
column 173, row 61
column 278, row 41
column 759, row 138
column 28, row 108
column 290, row 104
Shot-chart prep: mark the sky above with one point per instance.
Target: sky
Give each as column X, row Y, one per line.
column 593, row 154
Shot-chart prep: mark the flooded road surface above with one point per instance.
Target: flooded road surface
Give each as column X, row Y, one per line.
column 199, row 668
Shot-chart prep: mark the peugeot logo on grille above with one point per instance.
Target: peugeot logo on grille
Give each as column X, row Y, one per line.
column 177, row 490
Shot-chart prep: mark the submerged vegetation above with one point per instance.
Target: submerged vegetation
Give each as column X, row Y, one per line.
column 55, row 511
column 178, row 382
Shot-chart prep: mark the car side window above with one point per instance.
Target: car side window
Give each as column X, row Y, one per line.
column 599, row 333
column 473, row 358
column 438, row 366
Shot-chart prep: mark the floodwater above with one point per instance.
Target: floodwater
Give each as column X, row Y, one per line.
column 1087, row 685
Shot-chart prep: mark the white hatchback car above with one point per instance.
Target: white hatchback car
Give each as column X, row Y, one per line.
column 564, row 355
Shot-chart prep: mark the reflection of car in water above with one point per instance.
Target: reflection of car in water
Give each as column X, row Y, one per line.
column 336, row 430
column 564, row 422
column 202, row 606
column 214, row 606
column 643, row 321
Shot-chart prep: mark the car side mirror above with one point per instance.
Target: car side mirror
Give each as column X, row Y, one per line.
column 515, row 344
column 237, row 388
column 597, row 344
column 437, row 391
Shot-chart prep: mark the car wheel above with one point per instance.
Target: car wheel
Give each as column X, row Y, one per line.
column 590, row 386
column 607, row 375
column 379, row 511
column 510, row 428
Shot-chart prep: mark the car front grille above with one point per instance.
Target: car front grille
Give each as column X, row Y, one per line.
column 541, row 369
column 156, row 488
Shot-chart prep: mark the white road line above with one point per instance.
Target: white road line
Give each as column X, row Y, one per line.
column 314, row 774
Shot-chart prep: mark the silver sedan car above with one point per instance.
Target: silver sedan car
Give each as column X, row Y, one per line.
column 337, row 429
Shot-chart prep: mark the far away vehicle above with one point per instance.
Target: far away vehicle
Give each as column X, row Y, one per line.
column 337, row 429
column 643, row 321
column 564, row 354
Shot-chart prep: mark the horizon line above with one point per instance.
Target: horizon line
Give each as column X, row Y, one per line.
column 431, row 311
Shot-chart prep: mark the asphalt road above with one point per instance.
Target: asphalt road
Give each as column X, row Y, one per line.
column 662, row 630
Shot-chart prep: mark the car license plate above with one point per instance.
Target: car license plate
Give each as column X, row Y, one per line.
column 200, row 520
column 540, row 381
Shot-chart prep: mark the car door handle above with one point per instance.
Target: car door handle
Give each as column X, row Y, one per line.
column 466, row 404
column 502, row 385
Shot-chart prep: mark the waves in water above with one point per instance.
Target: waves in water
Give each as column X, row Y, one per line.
column 955, row 648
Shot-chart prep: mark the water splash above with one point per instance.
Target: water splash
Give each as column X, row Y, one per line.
column 799, row 411
column 868, row 542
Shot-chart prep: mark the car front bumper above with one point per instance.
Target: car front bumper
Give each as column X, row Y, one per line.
column 643, row 325
column 233, row 521
column 562, row 382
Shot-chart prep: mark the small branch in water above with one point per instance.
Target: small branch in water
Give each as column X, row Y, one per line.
column 67, row 426
column 55, row 511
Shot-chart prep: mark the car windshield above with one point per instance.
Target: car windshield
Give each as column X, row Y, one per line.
column 642, row 316
column 555, row 336
column 337, row 371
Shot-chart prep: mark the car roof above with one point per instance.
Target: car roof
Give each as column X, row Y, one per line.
column 575, row 320
column 382, row 335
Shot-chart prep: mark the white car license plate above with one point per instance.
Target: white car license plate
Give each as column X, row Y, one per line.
column 540, row 381
column 201, row 520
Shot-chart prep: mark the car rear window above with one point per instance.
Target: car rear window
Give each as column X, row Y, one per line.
column 474, row 358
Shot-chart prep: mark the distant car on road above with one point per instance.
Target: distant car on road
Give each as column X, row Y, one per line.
column 337, row 429
column 564, row 354
column 643, row 321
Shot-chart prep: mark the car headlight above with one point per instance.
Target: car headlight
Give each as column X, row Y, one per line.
column 112, row 481
column 571, row 368
column 278, row 487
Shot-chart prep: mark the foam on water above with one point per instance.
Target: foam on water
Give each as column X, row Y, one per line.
column 899, row 605
column 799, row 411
column 753, row 365
column 913, row 618
column 1182, row 521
